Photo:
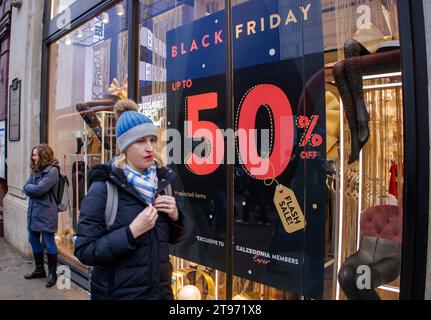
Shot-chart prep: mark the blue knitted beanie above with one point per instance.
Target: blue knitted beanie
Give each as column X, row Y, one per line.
column 131, row 124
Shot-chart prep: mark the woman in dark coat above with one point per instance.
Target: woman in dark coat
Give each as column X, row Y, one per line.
column 130, row 258
column 42, row 220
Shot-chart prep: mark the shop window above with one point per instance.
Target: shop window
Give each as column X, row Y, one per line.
column 320, row 82
column 88, row 73
column 341, row 54
column 167, row 49
column 60, row 6
column 366, row 79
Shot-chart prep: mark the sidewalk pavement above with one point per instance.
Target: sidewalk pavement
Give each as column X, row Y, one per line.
column 13, row 286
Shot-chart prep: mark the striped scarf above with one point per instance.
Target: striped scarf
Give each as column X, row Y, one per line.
column 145, row 184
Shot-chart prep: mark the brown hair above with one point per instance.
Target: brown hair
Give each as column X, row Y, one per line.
column 46, row 157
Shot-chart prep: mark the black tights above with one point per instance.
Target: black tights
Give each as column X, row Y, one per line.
column 348, row 75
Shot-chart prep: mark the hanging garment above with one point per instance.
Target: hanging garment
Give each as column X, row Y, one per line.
column 332, row 125
column 393, row 180
column 94, row 144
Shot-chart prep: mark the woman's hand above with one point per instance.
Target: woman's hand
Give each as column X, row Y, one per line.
column 144, row 222
column 168, row 205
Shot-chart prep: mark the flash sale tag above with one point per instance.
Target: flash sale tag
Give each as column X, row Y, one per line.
column 289, row 209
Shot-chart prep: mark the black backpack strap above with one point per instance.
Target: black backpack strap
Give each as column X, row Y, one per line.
column 51, row 192
column 111, row 204
column 54, row 188
column 168, row 190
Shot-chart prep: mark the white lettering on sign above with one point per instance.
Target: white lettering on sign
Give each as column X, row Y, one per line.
column 365, row 16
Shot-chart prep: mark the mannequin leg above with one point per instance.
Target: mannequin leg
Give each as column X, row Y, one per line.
column 362, row 65
column 348, row 79
column 355, row 71
column 342, row 82
column 356, row 68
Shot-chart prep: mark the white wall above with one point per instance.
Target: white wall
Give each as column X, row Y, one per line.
column 25, row 64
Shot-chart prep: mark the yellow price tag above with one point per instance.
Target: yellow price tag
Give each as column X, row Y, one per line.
column 289, row 209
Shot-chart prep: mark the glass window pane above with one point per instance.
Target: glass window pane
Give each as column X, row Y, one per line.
column 347, row 53
column 58, row 6
column 302, row 53
column 363, row 85
column 321, row 83
column 182, row 57
column 279, row 105
column 88, row 73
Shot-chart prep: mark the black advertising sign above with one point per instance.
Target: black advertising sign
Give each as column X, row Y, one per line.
column 277, row 144
column 14, row 110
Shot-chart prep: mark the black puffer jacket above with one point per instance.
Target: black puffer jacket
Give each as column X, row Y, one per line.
column 125, row 268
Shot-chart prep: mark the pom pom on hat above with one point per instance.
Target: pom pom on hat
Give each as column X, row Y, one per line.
column 131, row 124
column 124, row 105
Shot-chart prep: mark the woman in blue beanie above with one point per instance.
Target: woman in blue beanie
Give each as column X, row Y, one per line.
column 131, row 257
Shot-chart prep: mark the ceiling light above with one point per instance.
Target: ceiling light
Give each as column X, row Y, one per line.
column 80, row 35
column 120, row 9
column 105, row 17
column 68, row 40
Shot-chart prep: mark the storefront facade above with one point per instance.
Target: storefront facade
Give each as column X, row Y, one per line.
column 5, row 22
column 321, row 154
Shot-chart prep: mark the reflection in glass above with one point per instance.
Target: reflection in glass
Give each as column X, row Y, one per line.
column 340, row 54
column 60, row 6
column 88, row 73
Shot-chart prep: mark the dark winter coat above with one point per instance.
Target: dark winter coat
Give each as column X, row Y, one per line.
column 124, row 267
column 42, row 213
